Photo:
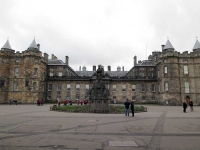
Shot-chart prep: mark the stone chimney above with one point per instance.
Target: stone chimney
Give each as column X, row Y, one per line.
column 66, row 60
column 46, row 56
column 94, row 68
column 139, row 61
column 135, row 60
column 52, row 56
column 109, row 68
column 162, row 46
column 80, row 68
column 123, row 68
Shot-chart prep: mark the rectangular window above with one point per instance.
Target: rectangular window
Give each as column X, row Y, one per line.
column 67, row 97
column 143, row 88
column 185, row 69
column 16, row 71
column 58, row 87
column 114, row 88
column 166, row 86
column 34, row 86
column 124, row 98
column 60, row 74
column 165, row 69
column 15, row 87
column 26, row 83
column 50, row 87
column 152, row 88
column 133, row 88
column 133, row 98
column 35, row 71
column 187, row 89
column 165, row 61
column 51, row 74
column 87, row 87
column 143, row 98
column 58, row 98
column 151, row 74
column 77, row 97
column 123, row 88
column 141, row 74
column 49, row 98
column 77, row 87
column 153, row 98
column 68, row 87
column 185, row 61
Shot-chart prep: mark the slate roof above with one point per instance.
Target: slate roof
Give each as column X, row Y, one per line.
column 168, row 45
column 55, row 62
column 33, row 45
column 196, row 45
column 145, row 63
column 7, row 45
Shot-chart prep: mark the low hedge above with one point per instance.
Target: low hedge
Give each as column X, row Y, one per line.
column 87, row 108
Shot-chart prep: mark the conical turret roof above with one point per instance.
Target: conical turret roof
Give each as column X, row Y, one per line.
column 33, row 45
column 7, row 46
column 196, row 45
column 168, row 45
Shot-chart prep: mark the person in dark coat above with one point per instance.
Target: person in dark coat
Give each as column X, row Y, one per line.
column 65, row 102
column 127, row 104
column 191, row 105
column 184, row 107
column 132, row 108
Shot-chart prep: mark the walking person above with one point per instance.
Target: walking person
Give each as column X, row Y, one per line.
column 132, row 108
column 191, row 105
column 184, row 107
column 127, row 103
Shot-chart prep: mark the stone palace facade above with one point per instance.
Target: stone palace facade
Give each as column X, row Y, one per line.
column 167, row 77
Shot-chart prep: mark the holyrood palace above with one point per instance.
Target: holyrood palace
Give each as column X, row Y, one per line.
column 167, row 77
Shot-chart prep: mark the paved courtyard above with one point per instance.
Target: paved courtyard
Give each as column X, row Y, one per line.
column 30, row 127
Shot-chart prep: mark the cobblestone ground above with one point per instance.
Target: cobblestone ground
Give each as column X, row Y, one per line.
column 30, row 127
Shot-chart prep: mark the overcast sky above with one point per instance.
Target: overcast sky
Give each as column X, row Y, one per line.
column 93, row 32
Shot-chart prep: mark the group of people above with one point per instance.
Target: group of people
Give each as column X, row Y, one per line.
column 65, row 102
column 14, row 101
column 185, row 106
column 127, row 105
column 40, row 102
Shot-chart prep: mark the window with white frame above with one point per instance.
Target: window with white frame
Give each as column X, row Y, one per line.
column 68, row 87
column 51, row 74
column 50, row 87
column 60, row 74
column 143, row 98
column 152, row 88
column 165, row 69
column 34, row 86
column 59, row 87
column 35, row 71
column 133, row 98
column 77, row 87
column 87, row 87
column 15, row 86
column 187, row 89
column 166, row 86
column 77, row 97
column 185, row 69
column 165, row 60
column 143, row 88
column 49, row 98
column 133, row 87
column 16, row 71
column 123, row 87
column 141, row 74
column 67, row 97
column 114, row 88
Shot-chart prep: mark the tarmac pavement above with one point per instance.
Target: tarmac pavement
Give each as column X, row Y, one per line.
column 30, row 127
